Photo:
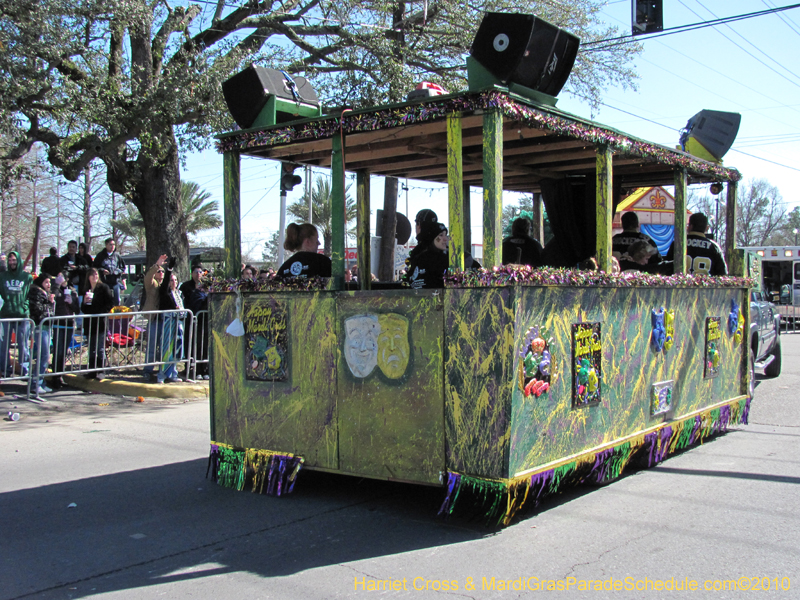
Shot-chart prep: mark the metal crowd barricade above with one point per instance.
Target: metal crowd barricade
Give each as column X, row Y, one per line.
column 198, row 350
column 16, row 335
column 116, row 341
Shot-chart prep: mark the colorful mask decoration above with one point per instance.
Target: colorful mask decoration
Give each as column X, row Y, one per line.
column 659, row 334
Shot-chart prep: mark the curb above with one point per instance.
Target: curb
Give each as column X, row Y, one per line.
column 114, row 387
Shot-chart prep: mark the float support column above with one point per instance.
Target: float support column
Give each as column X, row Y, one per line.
column 232, row 209
column 338, row 222
column 679, row 254
column 455, row 188
column 362, row 230
column 492, row 188
column 604, row 203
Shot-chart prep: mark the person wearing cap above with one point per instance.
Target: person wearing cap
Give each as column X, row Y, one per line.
column 67, row 306
column 428, row 260
column 152, row 282
column 426, row 215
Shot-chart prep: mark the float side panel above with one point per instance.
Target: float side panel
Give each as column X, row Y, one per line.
column 549, row 428
column 297, row 415
column 479, row 338
column 391, row 412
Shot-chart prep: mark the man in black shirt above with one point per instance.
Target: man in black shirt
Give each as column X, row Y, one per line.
column 704, row 256
column 630, row 235
column 520, row 248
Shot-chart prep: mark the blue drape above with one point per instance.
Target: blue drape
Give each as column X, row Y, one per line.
column 662, row 235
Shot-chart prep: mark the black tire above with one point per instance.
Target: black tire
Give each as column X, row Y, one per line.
column 773, row 369
column 751, row 384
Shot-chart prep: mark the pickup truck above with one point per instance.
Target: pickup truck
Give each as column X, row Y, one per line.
column 765, row 338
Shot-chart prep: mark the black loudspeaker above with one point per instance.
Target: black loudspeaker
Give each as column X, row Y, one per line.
column 647, row 17
column 710, row 133
column 403, row 231
column 526, row 50
column 247, row 92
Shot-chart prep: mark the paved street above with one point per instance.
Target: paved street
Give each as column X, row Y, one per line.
column 147, row 524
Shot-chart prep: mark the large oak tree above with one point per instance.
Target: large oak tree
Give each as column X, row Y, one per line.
column 136, row 83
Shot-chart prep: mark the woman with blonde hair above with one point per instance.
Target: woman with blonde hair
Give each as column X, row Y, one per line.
column 303, row 240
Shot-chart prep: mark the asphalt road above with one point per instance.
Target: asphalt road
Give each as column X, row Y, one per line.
column 147, row 524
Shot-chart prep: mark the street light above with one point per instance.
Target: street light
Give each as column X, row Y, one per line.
column 795, row 235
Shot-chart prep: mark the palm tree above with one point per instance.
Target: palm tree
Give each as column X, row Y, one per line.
column 321, row 210
column 130, row 226
column 198, row 215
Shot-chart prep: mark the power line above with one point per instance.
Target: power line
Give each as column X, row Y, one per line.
column 625, row 39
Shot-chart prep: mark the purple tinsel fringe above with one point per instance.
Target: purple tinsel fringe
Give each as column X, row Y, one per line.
column 539, row 482
column 746, row 412
column 453, row 485
column 600, row 467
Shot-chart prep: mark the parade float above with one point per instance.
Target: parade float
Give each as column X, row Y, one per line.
column 509, row 383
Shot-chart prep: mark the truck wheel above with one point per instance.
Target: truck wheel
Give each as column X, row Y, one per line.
column 773, row 369
column 751, row 384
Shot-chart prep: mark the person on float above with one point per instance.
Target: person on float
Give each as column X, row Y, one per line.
column 630, row 235
column 428, row 261
column 303, row 240
column 703, row 255
column 520, row 248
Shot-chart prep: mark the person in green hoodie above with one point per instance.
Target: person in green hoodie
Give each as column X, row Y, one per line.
column 15, row 284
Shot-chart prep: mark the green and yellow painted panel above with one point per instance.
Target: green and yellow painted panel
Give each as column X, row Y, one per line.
column 390, row 378
column 272, row 391
column 639, row 387
column 479, row 375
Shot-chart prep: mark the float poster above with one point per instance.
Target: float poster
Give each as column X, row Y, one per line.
column 713, row 347
column 587, row 355
column 266, row 349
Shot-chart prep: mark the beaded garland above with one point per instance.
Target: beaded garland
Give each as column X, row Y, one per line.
column 525, row 275
column 561, row 124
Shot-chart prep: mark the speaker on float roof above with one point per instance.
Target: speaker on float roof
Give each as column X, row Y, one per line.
column 710, row 134
column 523, row 49
column 247, row 93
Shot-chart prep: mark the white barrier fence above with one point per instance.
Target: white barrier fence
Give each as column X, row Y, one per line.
column 160, row 343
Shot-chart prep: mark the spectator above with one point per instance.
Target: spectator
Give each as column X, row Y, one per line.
column 306, row 262
column 83, row 250
column 15, row 284
column 3, row 264
column 196, row 296
column 171, row 299
column 520, row 248
column 51, row 265
column 428, row 260
column 152, row 282
column 74, row 266
column 42, row 305
column 63, row 329
column 112, row 268
column 97, row 300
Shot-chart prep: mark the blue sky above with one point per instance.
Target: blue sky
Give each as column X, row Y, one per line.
column 749, row 67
